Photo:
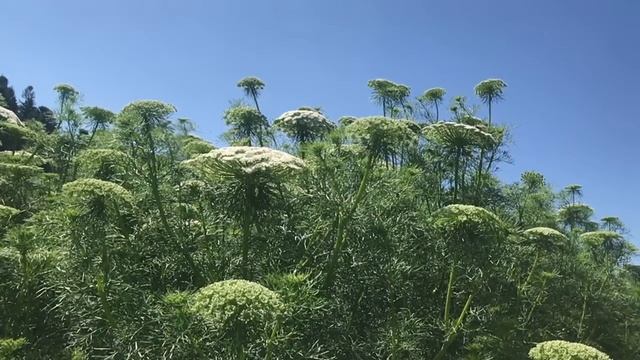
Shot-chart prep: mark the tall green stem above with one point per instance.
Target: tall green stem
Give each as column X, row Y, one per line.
column 453, row 332
column 246, row 233
column 344, row 221
column 456, row 175
column 447, row 304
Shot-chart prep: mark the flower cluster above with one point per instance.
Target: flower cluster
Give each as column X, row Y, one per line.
column 90, row 189
column 237, row 303
column 457, row 135
column 468, row 228
column 381, row 135
column 303, row 125
column 546, row 236
column 247, row 160
column 193, row 146
column 458, row 215
column 599, row 238
column 10, row 117
column 564, row 350
column 101, row 163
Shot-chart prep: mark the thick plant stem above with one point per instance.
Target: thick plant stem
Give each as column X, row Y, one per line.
column 344, row 221
column 246, row 237
column 582, row 316
column 456, row 175
column 447, row 304
column 157, row 198
column 453, row 333
column 533, row 268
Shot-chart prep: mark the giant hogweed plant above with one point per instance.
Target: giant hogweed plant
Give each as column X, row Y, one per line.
column 253, row 173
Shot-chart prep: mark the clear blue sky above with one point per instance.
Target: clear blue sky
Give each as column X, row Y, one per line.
column 573, row 67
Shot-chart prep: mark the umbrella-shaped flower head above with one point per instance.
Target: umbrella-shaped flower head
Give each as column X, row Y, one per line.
column 608, row 243
column 193, row 146
column 104, row 164
column 304, row 125
column 468, row 229
column 458, row 135
column 247, row 160
column 545, row 237
column 564, row 350
column 383, row 136
column 88, row 193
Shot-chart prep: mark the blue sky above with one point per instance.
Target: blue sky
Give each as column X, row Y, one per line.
column 573, row 67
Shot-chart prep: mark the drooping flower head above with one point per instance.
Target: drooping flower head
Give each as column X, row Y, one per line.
column 564, row 350
column 575, row 214
column 304, row 125
column 18, row 171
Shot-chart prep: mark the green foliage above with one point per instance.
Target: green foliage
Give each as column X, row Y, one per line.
column 392, row 239
column 13, row 137
column 564, row 350
column 246, row 124
column 193, row 146
column 103, row 164
column 8, row 347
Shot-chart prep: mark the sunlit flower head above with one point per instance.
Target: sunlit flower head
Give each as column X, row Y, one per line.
column 248, row 160
column 564, row 350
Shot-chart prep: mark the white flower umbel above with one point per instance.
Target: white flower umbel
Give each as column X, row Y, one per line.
column 303, row 125
column 248, row 160
column 457, row 134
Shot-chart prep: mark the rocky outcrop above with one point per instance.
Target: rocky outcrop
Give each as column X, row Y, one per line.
column 9, row 116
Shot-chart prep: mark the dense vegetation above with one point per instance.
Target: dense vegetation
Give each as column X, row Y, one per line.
column 125, row 236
